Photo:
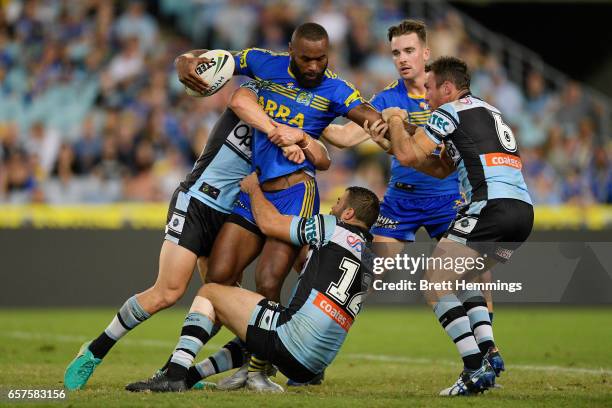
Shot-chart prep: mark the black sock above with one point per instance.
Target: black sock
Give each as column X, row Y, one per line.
column 193, row 376
column 176, row 372
column 101, row 346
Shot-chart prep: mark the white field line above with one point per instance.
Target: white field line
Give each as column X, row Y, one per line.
column 64, row 338
column 527, row 367
column 67, row 338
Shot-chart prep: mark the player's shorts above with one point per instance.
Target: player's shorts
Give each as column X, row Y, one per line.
column 301, row 199
column 400, row 217
column 192, row 224
column 262, row 339
column 494, row 227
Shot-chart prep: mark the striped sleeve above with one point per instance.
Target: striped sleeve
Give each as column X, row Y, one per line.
column 316, row 230
column 442, row 123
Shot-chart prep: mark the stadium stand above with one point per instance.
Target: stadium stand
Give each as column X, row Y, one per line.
column 91, row 111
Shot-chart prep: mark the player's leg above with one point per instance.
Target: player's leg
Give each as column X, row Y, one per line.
column 275, row 262
column 439, row 213
column 176, row 265
column 487, row 277
column 477, row 375
column 203, row 267
column 277, row 257
column 230, row 306
column 236, row 246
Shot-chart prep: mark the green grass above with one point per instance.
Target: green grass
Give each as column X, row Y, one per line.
column 556, row 357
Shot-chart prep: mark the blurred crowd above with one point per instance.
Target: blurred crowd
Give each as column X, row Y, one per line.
column 91, row 110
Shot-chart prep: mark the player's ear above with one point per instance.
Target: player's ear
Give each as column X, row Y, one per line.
column 348, row 213
column 426, row 53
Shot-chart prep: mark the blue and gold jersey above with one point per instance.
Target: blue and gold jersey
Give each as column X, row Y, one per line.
column 406, row 180
column 310, row 109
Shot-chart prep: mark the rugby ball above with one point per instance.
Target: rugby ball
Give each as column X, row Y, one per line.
column 215, row 73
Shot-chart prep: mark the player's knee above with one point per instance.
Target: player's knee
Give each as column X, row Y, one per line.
column 167, row 297
column 221, row 273
column 269, row 286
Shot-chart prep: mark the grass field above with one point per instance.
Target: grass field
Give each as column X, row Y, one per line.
column 556, row 357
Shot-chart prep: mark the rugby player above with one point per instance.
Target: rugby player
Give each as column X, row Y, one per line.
column 304, row 337
column 413, row 199
column 498, row 216
column 198, row 209
column 298, row 90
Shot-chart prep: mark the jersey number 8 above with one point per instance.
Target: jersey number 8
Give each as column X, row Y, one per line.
column 505, row 134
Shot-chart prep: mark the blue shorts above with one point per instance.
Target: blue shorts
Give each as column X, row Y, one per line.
column 301, row 199
column 400, row 218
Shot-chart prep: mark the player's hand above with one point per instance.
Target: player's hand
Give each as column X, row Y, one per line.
column 377, row 131
column 389, row 112
column 250, row 183
column 283, row 135
column 294, row 153
column 186, row 69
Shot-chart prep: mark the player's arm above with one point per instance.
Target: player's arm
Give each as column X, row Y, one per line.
column 244, row 104
column 415, row 151
column 286, row 136
column 298, row 231
column 437, row 166
column 315, row 151
column 269, row 220
column 366, row 117
column 348, row 135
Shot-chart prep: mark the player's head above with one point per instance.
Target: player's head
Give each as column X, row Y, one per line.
column 409, row 48
column 357, row 205
column 309, row 49
column 447, row 79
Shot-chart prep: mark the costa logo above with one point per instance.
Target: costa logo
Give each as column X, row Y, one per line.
column 503, row 159
column 354, row 243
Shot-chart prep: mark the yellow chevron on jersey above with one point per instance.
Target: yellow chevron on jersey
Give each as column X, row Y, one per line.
column 284, row 99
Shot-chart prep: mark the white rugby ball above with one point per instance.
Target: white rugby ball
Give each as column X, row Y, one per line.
column 215, row 73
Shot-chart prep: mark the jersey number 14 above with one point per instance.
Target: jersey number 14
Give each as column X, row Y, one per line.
column 340, row 290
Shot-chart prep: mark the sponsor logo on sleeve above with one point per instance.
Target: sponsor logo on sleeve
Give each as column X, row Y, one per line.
column 440, row 124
